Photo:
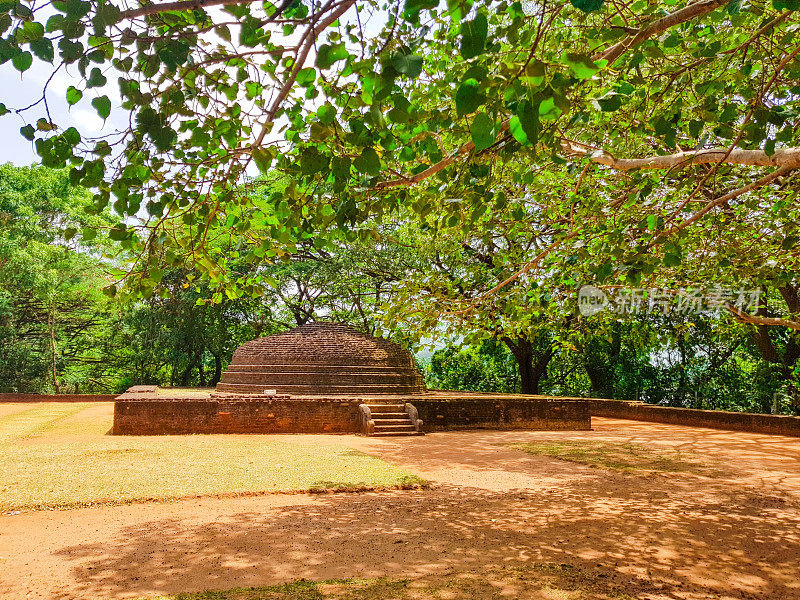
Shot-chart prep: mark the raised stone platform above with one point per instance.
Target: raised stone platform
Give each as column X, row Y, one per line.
column 161, row 412
column 330, row 378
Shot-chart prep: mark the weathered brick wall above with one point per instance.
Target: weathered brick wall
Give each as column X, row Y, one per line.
column 639, row 411
column 138, row 414
column 162, row 416
column 56, row 397
column 503, row 413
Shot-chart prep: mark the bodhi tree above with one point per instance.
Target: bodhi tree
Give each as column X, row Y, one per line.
column 662, row 123
column 455, row 265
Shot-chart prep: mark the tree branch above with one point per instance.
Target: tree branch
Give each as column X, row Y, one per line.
column 152, row 9
column 744, row 317
column 310, row 36
column 725, row 198
column 525, row 268
column 611, row 55
column 785, row 158
column 658, row 27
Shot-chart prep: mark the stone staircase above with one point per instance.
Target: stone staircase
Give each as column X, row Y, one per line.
column 384, row 420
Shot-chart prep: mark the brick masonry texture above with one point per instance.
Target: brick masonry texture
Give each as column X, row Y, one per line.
column 148, row 414
column 318, row 375
column 639, row 411
column 266, row 415
column 322, row 359
column 480, row 411
column 56, row 397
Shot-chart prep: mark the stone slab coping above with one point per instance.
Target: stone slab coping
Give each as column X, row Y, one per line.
column 151, row 393
column 142, row 389
column 13, row 398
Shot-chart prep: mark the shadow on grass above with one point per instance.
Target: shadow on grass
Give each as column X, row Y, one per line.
column 620, row 456
column 406, row 482
column 540, row 581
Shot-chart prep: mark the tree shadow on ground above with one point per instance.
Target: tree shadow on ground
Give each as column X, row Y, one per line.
column 653, row 536
column 466, row 457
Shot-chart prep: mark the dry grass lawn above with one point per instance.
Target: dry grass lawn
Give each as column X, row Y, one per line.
column 539, row 582
column 58, row 455
column 620, row 456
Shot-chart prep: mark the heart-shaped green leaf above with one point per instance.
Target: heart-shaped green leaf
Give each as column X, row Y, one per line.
column 368, row 162
column 103, row 106
column 482, row 131
column 327, row 55
column 473, row 36
column 587, row 6
column 468, row 97
column 73, row 95
column 22, row 61
column 407, row 64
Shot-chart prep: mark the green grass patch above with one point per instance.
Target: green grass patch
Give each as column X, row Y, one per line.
column 621, row 456
column 539, row 581
column 60, row 456
column 351, row 589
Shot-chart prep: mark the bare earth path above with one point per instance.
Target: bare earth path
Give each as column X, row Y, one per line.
column 658, row 535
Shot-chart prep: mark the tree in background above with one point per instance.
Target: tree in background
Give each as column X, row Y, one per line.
column 54, row 319
column 488, row 367
column 172, row 340
column 638, row 144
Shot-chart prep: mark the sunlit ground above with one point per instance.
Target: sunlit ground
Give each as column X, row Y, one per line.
column 60, row 455
column 627, row 510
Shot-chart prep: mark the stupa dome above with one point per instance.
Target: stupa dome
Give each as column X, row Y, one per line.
column 322, row 359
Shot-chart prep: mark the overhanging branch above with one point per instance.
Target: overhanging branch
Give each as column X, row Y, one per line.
column 152, row 9
column 611, row 54
column 783, row 158
column 744, row 317
column 658, row 27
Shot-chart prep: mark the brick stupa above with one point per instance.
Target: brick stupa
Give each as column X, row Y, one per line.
column 330, row 378
column 321, row 359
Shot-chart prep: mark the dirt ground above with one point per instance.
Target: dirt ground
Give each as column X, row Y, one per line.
column 655, row 535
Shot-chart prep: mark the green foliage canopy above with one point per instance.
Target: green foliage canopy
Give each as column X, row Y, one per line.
column 622, row 135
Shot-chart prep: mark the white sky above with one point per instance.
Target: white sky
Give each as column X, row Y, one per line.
column 21, row 89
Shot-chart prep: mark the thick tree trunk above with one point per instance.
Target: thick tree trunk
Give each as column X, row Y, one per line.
column 530, row 371
column 187, row 372
column 784, row 361
column 600, row 381
column 217, row 369
column 528, row 383
column 52, row 331
column 599, row 361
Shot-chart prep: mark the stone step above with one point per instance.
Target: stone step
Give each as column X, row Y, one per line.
column 316, row 390
column 387, row 408
column 391, row 420
column 277, row 379
column 396, row 428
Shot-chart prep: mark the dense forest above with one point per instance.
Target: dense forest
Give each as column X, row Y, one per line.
column 59, row 332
